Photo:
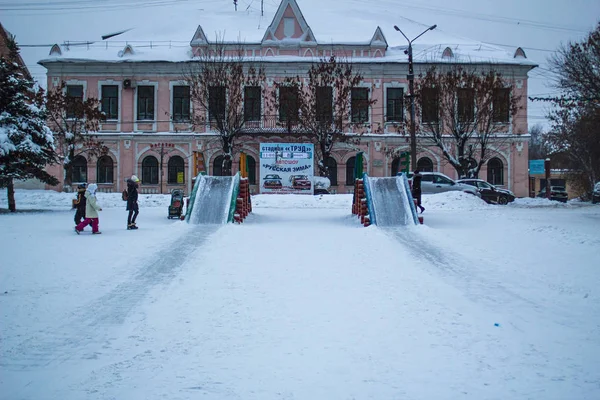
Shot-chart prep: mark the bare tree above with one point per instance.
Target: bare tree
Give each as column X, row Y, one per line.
column 576, row 117
column 463, row 111
column 74, row 121
column 219, row 78
column 538, row 144
column 322, row 105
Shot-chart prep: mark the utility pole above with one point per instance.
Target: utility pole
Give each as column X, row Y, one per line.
column 411, row 94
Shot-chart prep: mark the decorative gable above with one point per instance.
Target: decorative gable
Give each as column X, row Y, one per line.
column 55, row 50
column 289, row 24
column 199, row 38
column 519, row 53
column 378, row 39
column 447, row 53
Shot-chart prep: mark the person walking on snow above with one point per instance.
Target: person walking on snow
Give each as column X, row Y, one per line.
column 132, row 201
column 91, row 211
column 416, row 188
column 80, row 203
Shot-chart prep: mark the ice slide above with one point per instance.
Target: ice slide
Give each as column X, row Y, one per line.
column 213, row 199
column 389, row 201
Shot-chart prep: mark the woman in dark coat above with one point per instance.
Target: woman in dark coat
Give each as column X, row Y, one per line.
column 132, row 202
column 416, row 188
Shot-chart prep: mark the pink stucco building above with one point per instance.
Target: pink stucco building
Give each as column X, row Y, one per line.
column 139, row 84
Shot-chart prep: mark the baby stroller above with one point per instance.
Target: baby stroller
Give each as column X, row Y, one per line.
column 176, row 206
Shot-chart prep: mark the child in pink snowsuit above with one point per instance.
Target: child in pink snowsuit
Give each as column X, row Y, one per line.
column 91, row 211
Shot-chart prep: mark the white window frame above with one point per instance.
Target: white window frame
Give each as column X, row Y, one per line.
column 172, row 84
column 368, row 86
column 145, row 82
column 76, row 82
column 393, row 85
column 112, row 82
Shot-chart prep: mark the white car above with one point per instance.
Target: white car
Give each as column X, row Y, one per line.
column 436, row 182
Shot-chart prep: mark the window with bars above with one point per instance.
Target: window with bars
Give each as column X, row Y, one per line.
column 181, row 103
column 359, row 105
column 145, row 103
column 74, row 101
column 324, row 103
column 251, row 170
column 150, row 171
column 104, row 170
column 425, row 164
column 501, row 105
column 216, row 103
column 288, row 104
column 110, row 101
column 175, row 169
column 430, row 104
column 394, row 111
column 252, row 105
column 466, row 105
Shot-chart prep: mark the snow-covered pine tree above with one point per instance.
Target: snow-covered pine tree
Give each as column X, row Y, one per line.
column 26, row 143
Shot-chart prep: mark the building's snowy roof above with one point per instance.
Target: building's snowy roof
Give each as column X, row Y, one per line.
column 166, row 36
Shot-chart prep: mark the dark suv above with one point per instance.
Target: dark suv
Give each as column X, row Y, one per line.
column 489, row 192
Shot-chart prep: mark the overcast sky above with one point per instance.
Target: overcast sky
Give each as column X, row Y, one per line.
column 539, row 26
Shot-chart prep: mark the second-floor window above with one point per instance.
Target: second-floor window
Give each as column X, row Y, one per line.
column 181, row 103
column 501, row 105
column 430, row 104
column 465, row 105
column 216, row 103
column 360, row 104
column 110, row 101
column 288, row 104
column 145, row 103
column 74, row 101
column 394, row 111
column 324, row 103
column 252, row 105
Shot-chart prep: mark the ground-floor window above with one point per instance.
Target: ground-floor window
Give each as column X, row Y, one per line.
column 79, row 169
column 425, row 164
column 331, row 165
column 150, row 171
column 251, row 170
column 495, row 171
column 104, row 171
column 350, row 170
column 218, row 166
column 176, row 170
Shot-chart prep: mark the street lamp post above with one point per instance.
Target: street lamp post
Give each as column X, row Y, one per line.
column 411, row 87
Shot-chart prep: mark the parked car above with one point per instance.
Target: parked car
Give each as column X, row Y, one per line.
column 596, row 193
column 272, row 181
column 489, row 192
column 557, row 193
column 300, row 182
column 436, row 182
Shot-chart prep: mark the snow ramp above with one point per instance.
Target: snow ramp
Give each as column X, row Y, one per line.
column 213, row 199
column 390, row 201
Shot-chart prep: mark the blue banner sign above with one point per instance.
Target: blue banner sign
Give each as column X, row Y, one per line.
column 536, row 167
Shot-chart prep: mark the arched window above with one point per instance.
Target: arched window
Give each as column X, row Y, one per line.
column 150, row 171
column 495, row 171
column 79, row 170
column 395, row 166
column 331, row 165
column 251, row 170
column 350, row 170
column 218, row 166
column 176, row 170
column 425, row 164
column 104, row 170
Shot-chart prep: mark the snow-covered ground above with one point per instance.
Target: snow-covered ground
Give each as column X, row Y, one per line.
column 301, row 302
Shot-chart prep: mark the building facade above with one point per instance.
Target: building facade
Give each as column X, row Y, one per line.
column 148, row 107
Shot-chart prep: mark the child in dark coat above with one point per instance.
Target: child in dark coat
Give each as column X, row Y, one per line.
column 80, row 203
